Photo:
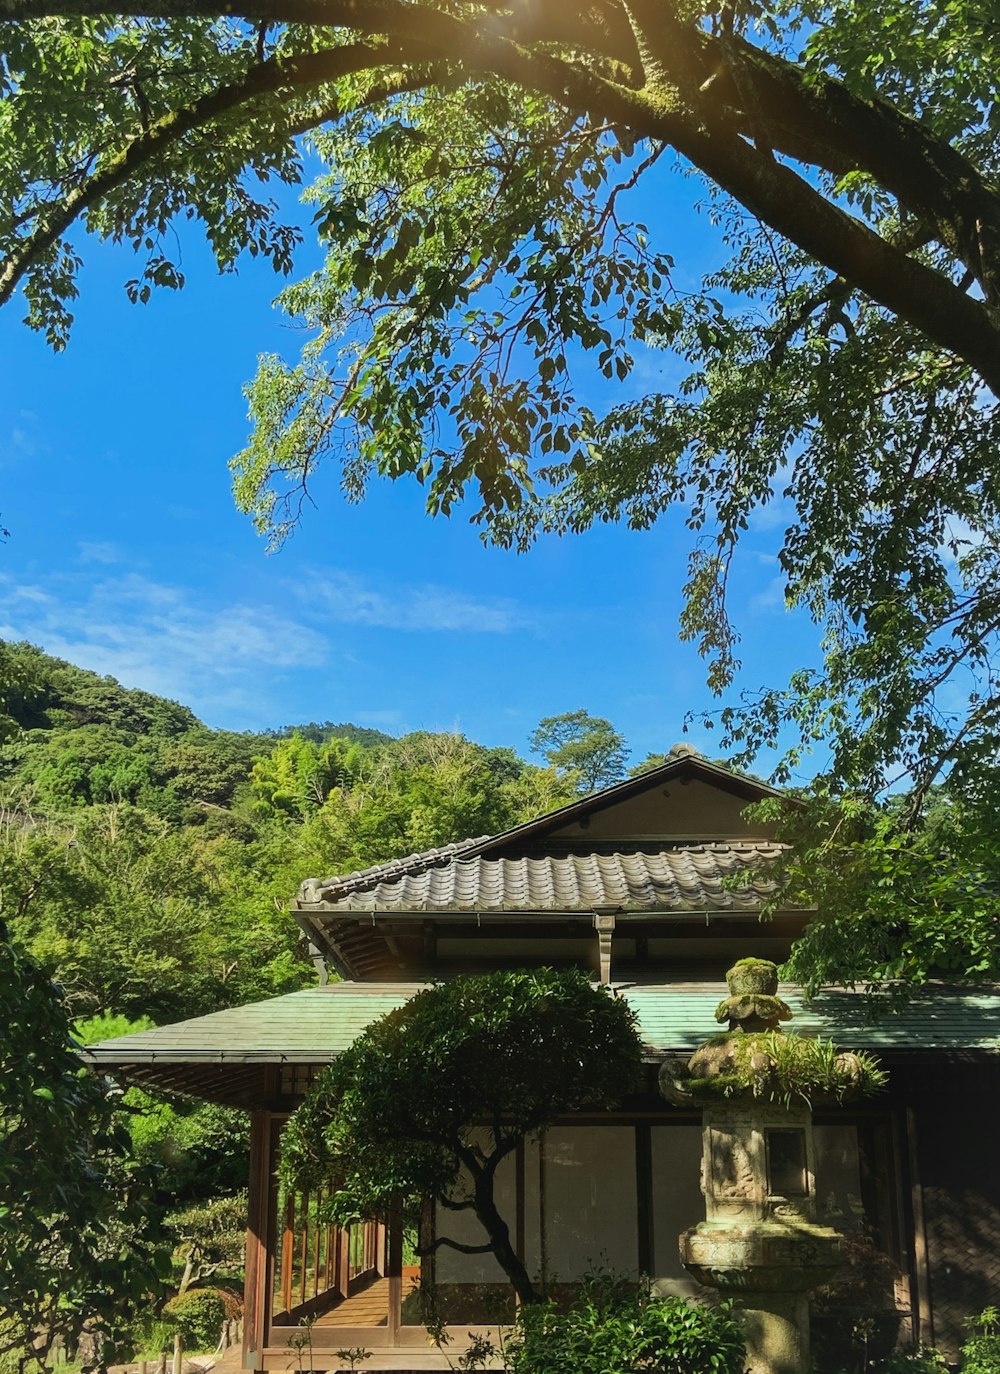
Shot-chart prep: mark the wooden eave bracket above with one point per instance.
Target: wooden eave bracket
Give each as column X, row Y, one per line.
column 604, row 924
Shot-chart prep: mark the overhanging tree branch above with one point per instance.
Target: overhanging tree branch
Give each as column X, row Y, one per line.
column 713, row 99
column 816, row 120
column 445, row 1241
column 274, row 75
column 776, row 195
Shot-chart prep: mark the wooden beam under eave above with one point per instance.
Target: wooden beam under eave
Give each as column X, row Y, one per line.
column 604, row 924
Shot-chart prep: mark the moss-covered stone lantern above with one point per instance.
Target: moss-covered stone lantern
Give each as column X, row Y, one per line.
column 761, row 1243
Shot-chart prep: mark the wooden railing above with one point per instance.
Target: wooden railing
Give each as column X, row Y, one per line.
column 320, row 1263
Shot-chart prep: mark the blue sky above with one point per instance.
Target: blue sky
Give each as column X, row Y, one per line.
column 128, row 557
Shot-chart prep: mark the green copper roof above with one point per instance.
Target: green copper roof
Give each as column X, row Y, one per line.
column 680, row 1017
column 316, row 1024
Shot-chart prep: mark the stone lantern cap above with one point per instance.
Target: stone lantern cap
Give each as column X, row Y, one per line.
column 754, row 1059
column 753, row 1003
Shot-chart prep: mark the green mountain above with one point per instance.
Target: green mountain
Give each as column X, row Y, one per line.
column 75, row 738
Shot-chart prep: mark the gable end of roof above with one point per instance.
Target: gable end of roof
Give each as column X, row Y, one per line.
column 683, row 766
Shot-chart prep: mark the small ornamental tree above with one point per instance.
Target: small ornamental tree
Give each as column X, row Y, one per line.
column 434, row 1096
column 210, row 1236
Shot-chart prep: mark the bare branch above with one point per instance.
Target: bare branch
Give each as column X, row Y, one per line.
column 467, row 1205
column 439, row 1241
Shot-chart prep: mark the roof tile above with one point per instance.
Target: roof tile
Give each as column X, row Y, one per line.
column 676, row 878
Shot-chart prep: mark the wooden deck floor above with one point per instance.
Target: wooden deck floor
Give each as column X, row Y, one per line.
column 370, row 1307
column 408, row 1362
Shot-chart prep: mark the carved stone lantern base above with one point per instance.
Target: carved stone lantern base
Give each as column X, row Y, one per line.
column 777, row 1334
column 766, row 1257
column 768, row 1268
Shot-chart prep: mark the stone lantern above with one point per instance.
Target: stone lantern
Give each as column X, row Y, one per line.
column 760, row 1243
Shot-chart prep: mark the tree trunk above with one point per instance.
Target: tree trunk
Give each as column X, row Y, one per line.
column 187, row 1276
column 499, row 1235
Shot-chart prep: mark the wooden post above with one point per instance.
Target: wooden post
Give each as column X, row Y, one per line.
column 161, row 1363
column 644, row 1196
column 287, row 1253
column 395, row 1271
column 344, row 1261
column 143, row 1367
column 924, row 1312
column 178, row 1366
column 519, row 1220
column 257, row 1266
column 380, row 1249
column 543, row 1232
column 316, row 1244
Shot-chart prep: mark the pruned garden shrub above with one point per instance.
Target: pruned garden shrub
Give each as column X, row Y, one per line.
column 199, row 1315
column 854, row 1319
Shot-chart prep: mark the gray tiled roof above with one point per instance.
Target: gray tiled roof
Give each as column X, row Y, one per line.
column 682, row 763
column 331, row 889
column 685, row 877
column 315, row 1025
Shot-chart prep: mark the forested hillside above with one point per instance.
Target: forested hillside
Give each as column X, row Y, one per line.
column 147, row 861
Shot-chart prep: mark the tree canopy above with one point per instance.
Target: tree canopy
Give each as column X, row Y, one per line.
column 430, row 1100
column 485, row 259
column 899, row 902
column 583, row 748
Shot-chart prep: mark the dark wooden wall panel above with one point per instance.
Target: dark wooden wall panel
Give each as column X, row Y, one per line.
column 957, row 1117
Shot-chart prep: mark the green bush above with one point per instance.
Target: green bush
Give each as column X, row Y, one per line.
column 918, row 1360
column 613, row 1329
column 199, row 1315
column 981, row 1352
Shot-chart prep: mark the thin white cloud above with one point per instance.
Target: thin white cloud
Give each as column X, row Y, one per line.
column 225, row 660
column 346, row 599
column 776, row 514
column 961, row 539
column 22, row 439
column 14, row 592
column 101, row 551
column 160, row 638
column 772, row 598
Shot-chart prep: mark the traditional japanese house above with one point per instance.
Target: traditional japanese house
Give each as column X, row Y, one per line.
column 628, row 883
